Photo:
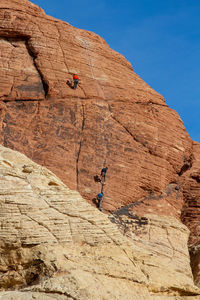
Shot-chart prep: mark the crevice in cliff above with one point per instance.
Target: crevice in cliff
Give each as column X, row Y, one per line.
column 21, row 100
column 171, row 291
column 187, row 165
column 187, row 162
column 34, row 57
column 125, row 128
column 66, row 65
column 42, row 86
column 39, row 223
column 36, row 289
column 196, row 177
column 49, row 292
column 6, row 135
column 142, row 143
column 90, row 221
column 80, row 146
column 38, row 108
column 151, row 102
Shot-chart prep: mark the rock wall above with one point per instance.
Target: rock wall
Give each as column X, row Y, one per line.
column 191, row 212
column 113, row 118
column 54, row 243
column 191, row 187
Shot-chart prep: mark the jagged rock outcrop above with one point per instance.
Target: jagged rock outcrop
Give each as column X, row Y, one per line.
column 54, row 243
column 191, row 190
column 191, row 209
column 113, row 118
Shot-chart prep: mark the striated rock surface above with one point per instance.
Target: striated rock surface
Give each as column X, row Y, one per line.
column 191, row 190
column 53, row 243
column 191, row 210
column 113, row 118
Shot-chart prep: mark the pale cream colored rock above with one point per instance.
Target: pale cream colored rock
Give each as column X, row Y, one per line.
column 31, row 296
column 49, row 296
column 54, row 243
column 160, row 297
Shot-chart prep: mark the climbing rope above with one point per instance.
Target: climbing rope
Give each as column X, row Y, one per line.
column 101, row 94
column 86, row 46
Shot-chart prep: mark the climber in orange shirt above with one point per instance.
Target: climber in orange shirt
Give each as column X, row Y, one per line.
column 75, row 79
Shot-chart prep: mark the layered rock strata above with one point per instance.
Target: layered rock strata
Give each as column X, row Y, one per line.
column 113, row 118
column 54, row 243
column 191, row 210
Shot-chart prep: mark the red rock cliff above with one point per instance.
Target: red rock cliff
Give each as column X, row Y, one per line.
column 113, row 118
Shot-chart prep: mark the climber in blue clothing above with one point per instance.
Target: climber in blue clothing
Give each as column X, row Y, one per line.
column 103, row 173
column 100, row 198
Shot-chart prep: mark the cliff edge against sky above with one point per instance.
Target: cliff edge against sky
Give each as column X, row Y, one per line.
column 113, row 118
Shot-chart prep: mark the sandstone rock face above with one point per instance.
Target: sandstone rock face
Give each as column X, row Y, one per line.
column 20, row 78
column 113, row 118
column 54, row 242
column 191, row 188
column 191, row 210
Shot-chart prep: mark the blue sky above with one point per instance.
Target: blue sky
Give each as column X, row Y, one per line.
column 160, row 38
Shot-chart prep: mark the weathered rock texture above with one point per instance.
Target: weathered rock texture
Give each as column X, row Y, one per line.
column 191, row 210
column 191, row 190
column 54, row 243
column 113, row 118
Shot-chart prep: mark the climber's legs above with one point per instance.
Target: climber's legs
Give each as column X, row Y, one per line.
column 99, row 203
column 75, row 83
